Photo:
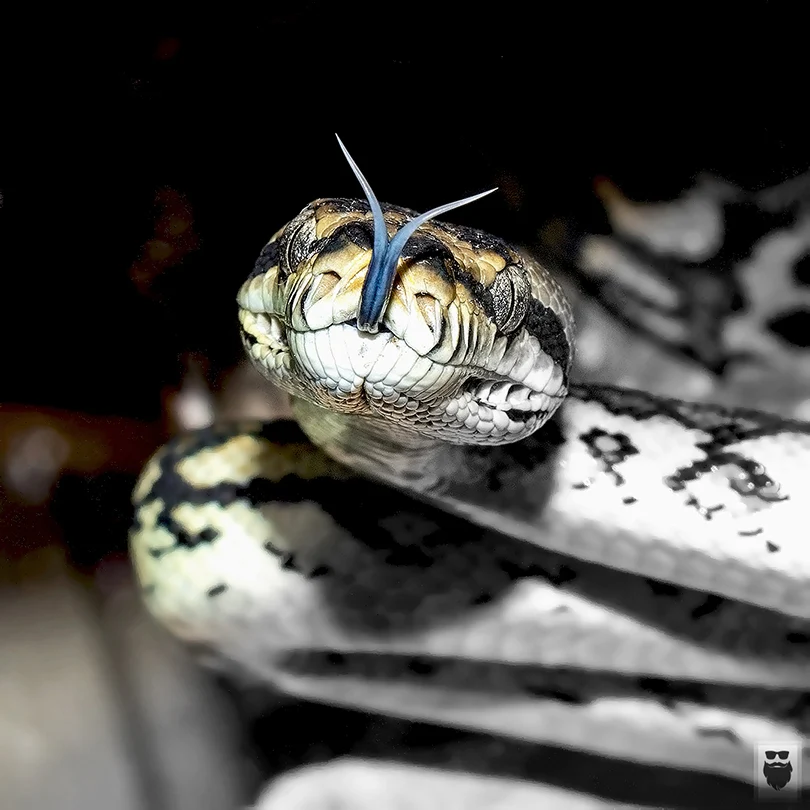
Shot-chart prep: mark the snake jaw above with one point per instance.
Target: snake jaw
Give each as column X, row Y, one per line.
column 377, row 374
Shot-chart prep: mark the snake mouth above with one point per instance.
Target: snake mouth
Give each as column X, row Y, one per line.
column 344, row 369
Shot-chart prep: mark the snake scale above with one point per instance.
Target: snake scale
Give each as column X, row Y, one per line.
column 440, row 537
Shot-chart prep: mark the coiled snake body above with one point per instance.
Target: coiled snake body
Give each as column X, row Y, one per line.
column 628, row 574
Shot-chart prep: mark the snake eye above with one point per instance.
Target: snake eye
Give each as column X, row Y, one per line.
column 510, row 298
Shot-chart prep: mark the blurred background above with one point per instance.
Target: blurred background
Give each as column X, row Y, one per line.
column 147, row 161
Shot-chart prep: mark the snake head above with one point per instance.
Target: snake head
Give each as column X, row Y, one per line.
column 446, row 331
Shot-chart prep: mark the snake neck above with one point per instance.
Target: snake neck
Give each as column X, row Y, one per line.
column 378, row 450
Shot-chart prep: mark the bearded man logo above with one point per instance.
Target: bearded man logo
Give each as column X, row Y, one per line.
column 777, row 768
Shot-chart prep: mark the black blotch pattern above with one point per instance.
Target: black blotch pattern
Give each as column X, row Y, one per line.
column 757, row 482
column 753, row 533
column 267, row 259
column 711, row 604
column 797, row 637
column 801, row 270
column 671, row 692
column 622, row 450
column 724, row 427
column 169, row 483
column 555, row 694
column 217, row 590
column 772, row 547
column 184, row 539
column 792, row 327
column 705, row 511
column 287, row 562
column 336, row 659
column 170, row 488
column 563, row 575
column 421, row 666
column 362, row 508
column 629, row 500
column 663, row 588
column 544, row 324
column 356, row 233
column 482, row 599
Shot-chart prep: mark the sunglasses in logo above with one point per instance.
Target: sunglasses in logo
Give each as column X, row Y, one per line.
column 775, row 754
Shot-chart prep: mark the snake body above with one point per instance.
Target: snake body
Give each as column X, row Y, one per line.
column 625, row 573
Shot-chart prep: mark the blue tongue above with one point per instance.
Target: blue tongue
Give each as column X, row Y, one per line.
column 385, row 254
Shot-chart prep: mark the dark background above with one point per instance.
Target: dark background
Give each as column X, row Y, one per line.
column 236, row 112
